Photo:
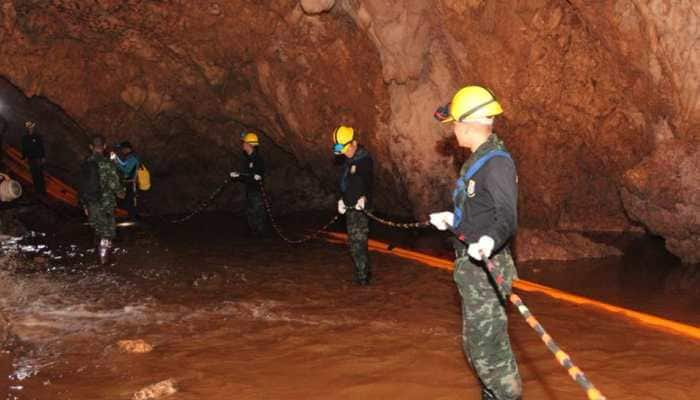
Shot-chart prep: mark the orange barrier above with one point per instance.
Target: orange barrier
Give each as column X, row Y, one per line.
column 527, row 286
column 55, row 188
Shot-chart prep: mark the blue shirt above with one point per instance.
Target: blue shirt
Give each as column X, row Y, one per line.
column 128, row 166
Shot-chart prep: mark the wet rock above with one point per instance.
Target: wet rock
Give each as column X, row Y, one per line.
column 316, row 6
column 156, row 391
column 134, row 346
column 532, row 244
column 663, row 193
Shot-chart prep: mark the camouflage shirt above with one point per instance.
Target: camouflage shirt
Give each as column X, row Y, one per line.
column 110, row 182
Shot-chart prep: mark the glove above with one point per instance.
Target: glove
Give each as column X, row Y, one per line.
column 360, row 205
column 235, row 174
column 112, row 156
column 341, row 207
column 257, row 177
column 483, row 246
column 442, row 220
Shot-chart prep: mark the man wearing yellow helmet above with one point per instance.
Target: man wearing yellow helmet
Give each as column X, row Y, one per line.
column 356, row 189
column 252, row 173
column 485, row 215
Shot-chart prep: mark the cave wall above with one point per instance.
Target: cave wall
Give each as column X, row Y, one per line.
column 593, row 91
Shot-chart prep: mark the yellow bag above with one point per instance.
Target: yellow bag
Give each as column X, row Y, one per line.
column 143, row 178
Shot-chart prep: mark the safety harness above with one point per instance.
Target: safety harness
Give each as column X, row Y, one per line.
column 464, row 180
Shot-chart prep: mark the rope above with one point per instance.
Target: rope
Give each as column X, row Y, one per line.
column 204, row 204
column 574, row 372
column 275, row 226
column 401, row 225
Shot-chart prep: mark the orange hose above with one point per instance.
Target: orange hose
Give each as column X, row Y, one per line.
column 527, row 286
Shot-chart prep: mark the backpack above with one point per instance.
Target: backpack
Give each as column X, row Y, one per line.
column 143, row 178
column 89, row 189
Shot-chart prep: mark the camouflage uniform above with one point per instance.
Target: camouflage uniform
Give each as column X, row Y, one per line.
column 101, row 213
column 256, row 214
column 358, row 229
column 355, row 183
column 485, row 325
column 487, row 206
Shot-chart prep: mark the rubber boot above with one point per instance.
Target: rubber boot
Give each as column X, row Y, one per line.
column 103, row 251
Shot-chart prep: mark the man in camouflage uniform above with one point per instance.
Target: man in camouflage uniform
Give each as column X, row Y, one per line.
column 356, row 189
column 100, row 210
column 252, row 174
column 485, row 217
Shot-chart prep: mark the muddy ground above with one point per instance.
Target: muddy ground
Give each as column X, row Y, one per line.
column 234, row 317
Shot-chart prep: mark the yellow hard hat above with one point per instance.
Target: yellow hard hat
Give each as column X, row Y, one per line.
column 342, row 137
column 473, row 102
column 250, row 138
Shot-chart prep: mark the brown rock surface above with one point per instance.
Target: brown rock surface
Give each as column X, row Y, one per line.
column 156, row 391
column 590, row 89
column 134, row 346
column 535, row 244
column 663, row 192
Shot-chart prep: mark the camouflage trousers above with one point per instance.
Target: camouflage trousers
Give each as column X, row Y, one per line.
column 101, row 218
column 485, row 326
column 256, row 215
column 358, row 229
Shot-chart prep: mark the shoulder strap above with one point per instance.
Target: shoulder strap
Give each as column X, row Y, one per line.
column 474, row 168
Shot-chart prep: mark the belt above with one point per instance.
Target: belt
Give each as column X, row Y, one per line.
column 462, row 252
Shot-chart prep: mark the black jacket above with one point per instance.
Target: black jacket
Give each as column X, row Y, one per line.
column 32, row 146
column 253, row 164
column 488, row 201
column 356, row 179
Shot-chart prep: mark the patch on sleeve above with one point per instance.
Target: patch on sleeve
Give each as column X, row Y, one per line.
column 471, row 188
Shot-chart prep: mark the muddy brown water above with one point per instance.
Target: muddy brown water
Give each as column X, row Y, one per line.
column 236, row 318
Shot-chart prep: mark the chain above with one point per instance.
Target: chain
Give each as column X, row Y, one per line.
column 305, row 238
column 279, row 232
column 401, row 225
column 204, row 204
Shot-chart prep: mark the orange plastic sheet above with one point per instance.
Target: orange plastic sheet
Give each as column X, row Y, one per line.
column 527, row 286
column 55, row 188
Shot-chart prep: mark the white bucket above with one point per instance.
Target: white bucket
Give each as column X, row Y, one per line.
column 10, row 189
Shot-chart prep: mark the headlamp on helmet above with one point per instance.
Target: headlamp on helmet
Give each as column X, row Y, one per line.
column 471, row 103
column 342, row 139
